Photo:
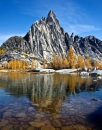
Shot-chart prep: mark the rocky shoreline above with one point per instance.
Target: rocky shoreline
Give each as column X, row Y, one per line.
column 39, row 70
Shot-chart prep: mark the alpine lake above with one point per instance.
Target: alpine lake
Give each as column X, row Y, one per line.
column 31, row 101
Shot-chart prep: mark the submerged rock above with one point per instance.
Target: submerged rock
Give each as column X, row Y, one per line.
column 3, row 122
column 67, row 128
column 31, row 128
column 30, row 109
column 79, row 127
column 36, row 124
column 7, row 114
column 22, row 115
column 8, row 127
column 94, row 99
column 56, row 123
column 48, row 127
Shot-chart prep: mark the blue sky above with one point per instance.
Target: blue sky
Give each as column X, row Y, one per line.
column 83, row 17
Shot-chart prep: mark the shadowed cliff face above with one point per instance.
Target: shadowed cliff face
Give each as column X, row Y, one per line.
column 88, row 46
column 47, row 37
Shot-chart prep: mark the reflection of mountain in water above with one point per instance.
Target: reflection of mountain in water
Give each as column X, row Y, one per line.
column 46, row 91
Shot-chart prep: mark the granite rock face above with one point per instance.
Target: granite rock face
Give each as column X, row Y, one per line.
column 88, row 46
column 47, row 37
column 16, row 43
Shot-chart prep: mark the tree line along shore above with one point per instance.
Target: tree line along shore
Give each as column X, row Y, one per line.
column 71, row 61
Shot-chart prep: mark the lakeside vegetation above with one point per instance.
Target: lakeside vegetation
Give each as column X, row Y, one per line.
column 59, row 62
column 2, row 51
column 72, row 61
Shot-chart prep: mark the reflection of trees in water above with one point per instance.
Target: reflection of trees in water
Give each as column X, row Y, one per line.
column 14, row 82
column 44, row 86
column 46, row 91
column 72, row 82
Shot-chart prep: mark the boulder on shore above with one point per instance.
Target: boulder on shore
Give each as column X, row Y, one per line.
column 96, row 73
column 66, row 71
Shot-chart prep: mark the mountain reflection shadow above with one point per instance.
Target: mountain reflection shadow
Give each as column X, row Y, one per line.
column 46, row 91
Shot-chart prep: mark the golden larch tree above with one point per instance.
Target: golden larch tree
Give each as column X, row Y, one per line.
column 72, row 60
column 2, row 51
column 18, row 64
column 55, row 61
column 65, row 63
column 96, row 63
column 44, row 63
column 80, row 62
column 32, row 65
column 100, row 66
column 88, row 62
column 60, row 63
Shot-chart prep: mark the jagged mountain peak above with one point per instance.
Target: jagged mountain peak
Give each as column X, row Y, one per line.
column 46, row 37
column 51, row 13
column 51, row 18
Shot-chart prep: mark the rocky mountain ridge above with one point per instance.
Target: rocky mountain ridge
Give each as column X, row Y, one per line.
column 47, row 37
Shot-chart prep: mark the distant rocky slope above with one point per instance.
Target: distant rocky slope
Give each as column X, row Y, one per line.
column 47, row 37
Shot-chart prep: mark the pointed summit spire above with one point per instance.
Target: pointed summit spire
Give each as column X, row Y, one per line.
column 51, row 18
column 51, row 12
